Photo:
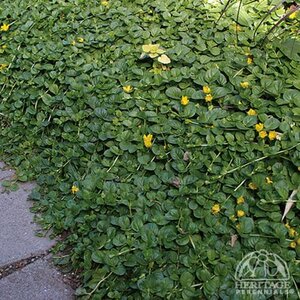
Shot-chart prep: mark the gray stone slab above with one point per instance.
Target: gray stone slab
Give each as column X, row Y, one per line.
column 37, row 281
column 6, row 174
column 17, row 230
column 5, row 171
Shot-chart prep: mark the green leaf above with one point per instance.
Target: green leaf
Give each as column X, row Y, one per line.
column 97, row 257
column 203, row 275
column 282, row 188
column 53, row 88
column 271, row 123
column 177, row 154
column 144, row 159
column 174, row 93
column 188, row 110
column 186, row 279
column 291, row 96
column 212, row 75
column 247, row 225
column 47, row 99
column 250, row 121
column 220, row 92
column 291, row 48
column 211, row 286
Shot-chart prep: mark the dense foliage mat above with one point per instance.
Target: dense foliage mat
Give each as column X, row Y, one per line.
column 164, row 142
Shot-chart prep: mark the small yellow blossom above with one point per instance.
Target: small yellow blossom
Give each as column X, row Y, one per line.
column 245, row 84
column 287, row 225
column 293, row 15
column 240, row 213
column 272, row 135
column 216, row 208
column 293, row 245
column 206, row 89
column 104, row 3
column 237, row 27
column 148, row 140
column 80, row 40
column 4, row 27
column 73, row 43
column 208, row 98
column 259, row 127
column 251, row 112
column 292, row 232
column 127, row 88
column 74, row 189
column 185, row 100
column 298, row 241
column 249, row 60
column 263, row 134
column 4, row 46
column 252, row 186
column 238, row 226
column 269, row 180
column 3, row 66
column 240, row 200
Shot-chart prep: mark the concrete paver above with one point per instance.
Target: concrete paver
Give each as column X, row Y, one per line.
column 17, row 234
column 37, row 281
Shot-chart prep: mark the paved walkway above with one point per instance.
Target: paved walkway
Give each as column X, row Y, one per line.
column 26, row 271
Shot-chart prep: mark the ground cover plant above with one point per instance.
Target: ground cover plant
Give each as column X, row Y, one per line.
column 164, row 138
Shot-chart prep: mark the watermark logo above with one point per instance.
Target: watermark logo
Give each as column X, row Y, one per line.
column 262, row 273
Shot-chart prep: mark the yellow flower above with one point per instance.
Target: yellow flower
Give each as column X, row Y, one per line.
column 272, row 135
column 238, row 226
column 245, row 84
column 251, row 112
column 73, row 43
column 80, row 40
column 293, row 15
column 240, row 213
column 185, row 100
column 148, row 140
column 104, row 3
column 298, row 241
column 74, row 189
column 259, row 127
column 240, row 200
column 208, row 98
column 252, row 186
column 237, row 27
column 4, row 47
column 206, row 89
column 216, row 208
column 269, row 180
column 287, row 225
column 249, row 60
column 127, row 88
column 4, row 27
column 292, row 232
column 3, row 66
column 263, row 134
column 293, row 245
